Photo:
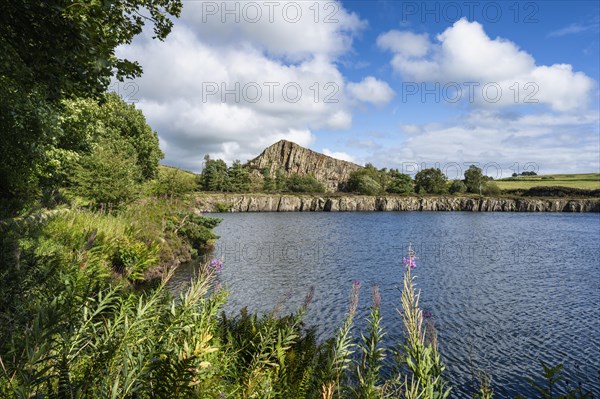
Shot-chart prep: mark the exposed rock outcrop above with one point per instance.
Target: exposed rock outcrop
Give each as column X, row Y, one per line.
column 292, row 158
column 311, row 203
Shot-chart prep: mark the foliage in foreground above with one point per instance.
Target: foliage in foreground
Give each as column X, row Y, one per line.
column 76, row 324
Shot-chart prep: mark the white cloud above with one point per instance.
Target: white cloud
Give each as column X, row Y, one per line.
column 295, row 30
column 552, row 143
column 371, row 90
column 464, row 53
column 575, row 28
column 232, row 88
column 339, row 155
column 408, row 44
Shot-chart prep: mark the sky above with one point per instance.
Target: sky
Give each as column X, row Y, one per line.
column 508, row 86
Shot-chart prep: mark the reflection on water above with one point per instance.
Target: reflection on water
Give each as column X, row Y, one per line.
column 505, row 290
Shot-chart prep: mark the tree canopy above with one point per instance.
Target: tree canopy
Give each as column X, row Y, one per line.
column 54, row 50
column 430, row 181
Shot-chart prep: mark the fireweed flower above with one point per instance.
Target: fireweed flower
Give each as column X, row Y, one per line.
column 409, row 262
column 354, row 298
column 376, row 296
column 216, row 265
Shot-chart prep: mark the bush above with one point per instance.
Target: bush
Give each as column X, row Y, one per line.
column 223, row 207
column 491, row 188
column 458, row 187
column 304, row 184
column 364, row 184
column 173, row 183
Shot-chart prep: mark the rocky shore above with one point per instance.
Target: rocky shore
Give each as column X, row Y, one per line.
column 350, row 203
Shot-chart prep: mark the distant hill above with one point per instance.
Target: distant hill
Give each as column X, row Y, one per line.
column 292, row 158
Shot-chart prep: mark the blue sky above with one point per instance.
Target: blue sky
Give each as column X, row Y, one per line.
column 510, row 86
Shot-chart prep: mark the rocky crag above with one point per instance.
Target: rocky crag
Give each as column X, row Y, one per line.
column 336, row 203
column 291, row 158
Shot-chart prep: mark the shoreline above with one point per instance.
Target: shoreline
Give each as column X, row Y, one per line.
column 234, row 202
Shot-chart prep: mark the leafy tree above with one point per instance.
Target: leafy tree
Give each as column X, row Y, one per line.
column 430, row 181
column 474, row 179
column 458, row 187
column 363, row 183
column 268, row 181
column 280, row 180
column 52, row 50
column 399, row 183
column 108, row 175
column 239, row 178
column 28, row 125
column 69, row 46
column 86, row 122
column 123, row 121
column 214, row 175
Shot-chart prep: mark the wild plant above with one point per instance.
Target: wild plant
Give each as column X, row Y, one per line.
column 373, row 353
column 420, row 351
column 340, row 356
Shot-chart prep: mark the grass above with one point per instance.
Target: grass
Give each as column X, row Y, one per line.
column 586, row 181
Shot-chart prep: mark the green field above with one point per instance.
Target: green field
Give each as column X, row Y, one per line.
column 587, row 181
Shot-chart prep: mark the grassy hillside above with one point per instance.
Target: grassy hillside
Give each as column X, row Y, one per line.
column 587, row 181
column 166, row 168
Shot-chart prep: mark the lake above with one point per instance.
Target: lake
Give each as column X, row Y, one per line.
column 505, row 290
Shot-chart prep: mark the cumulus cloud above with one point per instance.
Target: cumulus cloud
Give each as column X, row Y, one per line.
column 500, row 142
column 371, row 90
column 499, row 73
column 229, row 82
column 339, row 155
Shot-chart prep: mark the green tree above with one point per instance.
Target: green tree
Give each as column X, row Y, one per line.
column 239, row 178
column 281, row 182
column 123, row 121
column 68, row 46
column 399, row 183
column 363, row 183
column 458, row 187
column 430, row 181
column 52, row 50
column 214, row 175
column 474, row 179
column 108, row 175
column 268, row 181
column 85, row 122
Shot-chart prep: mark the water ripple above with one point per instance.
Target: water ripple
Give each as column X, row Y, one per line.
column 506, row 290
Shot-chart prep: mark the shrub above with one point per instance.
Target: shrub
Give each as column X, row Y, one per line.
column 304, row 184
column 173, row 183
column 363, row 184
column 458, row 187
column 491, row 188
column 222, row 207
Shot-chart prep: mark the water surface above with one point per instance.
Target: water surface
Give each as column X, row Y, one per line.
column 505, row 290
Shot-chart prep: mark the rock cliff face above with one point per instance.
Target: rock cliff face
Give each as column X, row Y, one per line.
column 292, row 158
column 308, row 203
